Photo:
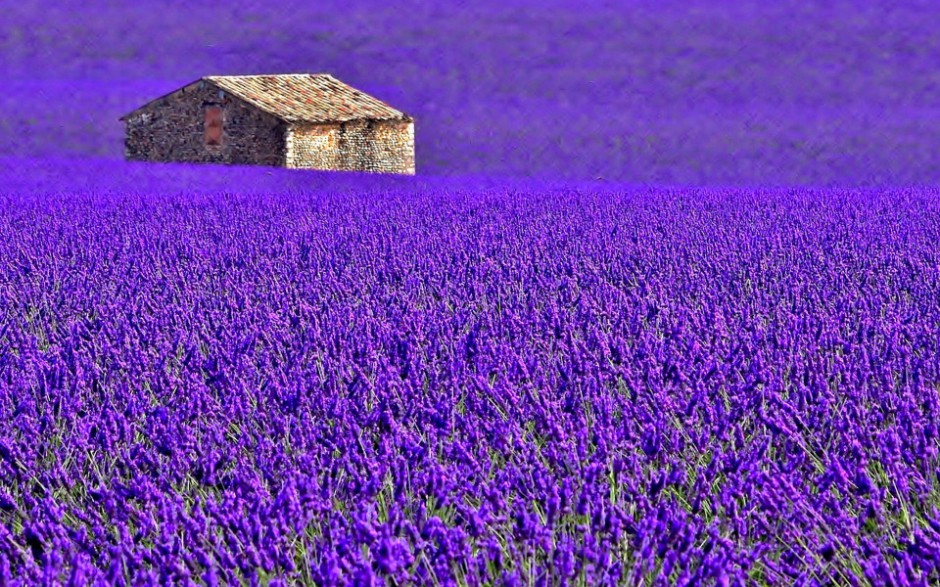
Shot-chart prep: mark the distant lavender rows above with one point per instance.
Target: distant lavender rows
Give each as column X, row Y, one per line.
column 467, row 385
column 691, row 92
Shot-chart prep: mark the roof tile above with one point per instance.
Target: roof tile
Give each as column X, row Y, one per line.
column 306, row 97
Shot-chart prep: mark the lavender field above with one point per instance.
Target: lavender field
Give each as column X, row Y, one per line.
column 719, row 364
column 460, row 387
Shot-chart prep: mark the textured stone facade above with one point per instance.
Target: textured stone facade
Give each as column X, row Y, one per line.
column 201, row 122
column 172, row 128
column 382, row 146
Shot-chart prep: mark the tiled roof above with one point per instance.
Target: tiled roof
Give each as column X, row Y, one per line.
column 305, row 97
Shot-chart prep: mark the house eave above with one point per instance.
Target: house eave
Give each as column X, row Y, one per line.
column 307, row 122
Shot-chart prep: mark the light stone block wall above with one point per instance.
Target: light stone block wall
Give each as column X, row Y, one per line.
column 312, row 146
column 360, row 145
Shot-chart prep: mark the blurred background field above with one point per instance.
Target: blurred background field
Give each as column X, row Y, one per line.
column 819, row 93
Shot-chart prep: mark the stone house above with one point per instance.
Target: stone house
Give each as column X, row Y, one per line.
column 303, row 121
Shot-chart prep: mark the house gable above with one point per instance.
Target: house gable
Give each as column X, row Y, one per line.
column 202, row 123
column 199, row 84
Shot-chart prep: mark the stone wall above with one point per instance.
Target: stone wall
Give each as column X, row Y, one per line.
column 313, row 146
column 172, row 129
column 382, row 146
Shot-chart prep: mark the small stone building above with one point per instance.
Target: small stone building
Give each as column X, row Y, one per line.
column 305, row 121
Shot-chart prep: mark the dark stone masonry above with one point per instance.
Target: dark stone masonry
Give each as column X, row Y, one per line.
column 296, row 121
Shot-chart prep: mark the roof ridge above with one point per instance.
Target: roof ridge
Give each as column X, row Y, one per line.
column 271, row 75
